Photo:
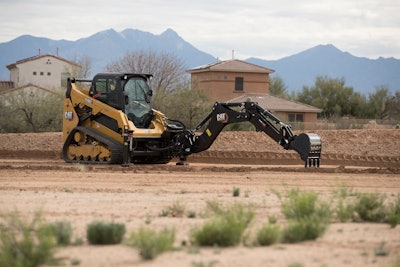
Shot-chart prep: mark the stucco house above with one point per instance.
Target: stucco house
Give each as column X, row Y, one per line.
column 48, row 71
column 231, row 78
column 239, row 81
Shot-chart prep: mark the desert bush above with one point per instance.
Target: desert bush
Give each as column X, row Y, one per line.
column 370, row 207
column 393, row 213
column 269, row 234
column 24, row 243
column 225, row 228
column 300, row 205
column 213, row 207
column 236, row 191
column 102, row 233
column 307, row 228
column 344, row 211
column 177, row 209
column 62, row 231
column 307, row 216
column 150, row 243
column 343, row 207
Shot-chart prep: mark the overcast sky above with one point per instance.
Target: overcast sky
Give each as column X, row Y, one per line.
column 252, row 28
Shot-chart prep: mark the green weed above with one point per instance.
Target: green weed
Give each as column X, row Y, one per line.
column 62, row 231
column 269, row 234
column 27, row 244
column 236, row 191
column 225, row 228
column 177, row 209
column 381, row 250
column 307, row 216
column 101, row 233
column 344, row 211
column 370, row 207
column 151, row 243
column 393, row 213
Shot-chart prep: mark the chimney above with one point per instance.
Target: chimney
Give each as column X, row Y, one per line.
column 57, row 52
column 39, row 52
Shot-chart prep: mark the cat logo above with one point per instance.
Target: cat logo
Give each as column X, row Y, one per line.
column 222, row 117
column 68, row 115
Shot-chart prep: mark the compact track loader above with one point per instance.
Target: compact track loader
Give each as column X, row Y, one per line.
column 110, row 120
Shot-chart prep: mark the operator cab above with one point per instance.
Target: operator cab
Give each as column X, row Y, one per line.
column 130, row 93
column 137, row 100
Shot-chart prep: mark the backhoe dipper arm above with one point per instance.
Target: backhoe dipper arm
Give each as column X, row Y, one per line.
column 307, row 145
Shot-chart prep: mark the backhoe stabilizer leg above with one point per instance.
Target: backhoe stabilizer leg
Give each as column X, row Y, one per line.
column 309, row 148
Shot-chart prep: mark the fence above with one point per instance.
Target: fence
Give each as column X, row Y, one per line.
column 345, row 123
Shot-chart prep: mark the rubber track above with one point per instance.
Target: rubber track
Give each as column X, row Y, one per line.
column 114, row 147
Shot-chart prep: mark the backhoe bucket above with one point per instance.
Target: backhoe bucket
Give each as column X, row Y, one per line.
column 309, row 147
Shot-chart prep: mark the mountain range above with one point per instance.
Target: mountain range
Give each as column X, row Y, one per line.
column 363, row 74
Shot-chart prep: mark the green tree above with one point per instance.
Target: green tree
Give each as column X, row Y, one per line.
column 277, row 87
column 358, row 105
column 331, row 95
column 392, row 107
column 377, row 102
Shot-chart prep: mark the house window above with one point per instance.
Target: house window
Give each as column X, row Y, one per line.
column 34, row 73
column 41, row 73
column 238, row 83
column 295, row 117
column 49, row 74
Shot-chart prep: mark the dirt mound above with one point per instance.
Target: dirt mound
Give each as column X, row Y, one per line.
column 378, row 148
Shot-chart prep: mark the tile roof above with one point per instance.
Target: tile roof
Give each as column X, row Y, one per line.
column 273, row 103
column 13, row 65
column 233, row 65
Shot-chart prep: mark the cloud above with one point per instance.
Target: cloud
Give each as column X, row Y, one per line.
column 267, row 29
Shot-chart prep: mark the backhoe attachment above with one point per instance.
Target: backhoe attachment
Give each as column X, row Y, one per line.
column 307, row 145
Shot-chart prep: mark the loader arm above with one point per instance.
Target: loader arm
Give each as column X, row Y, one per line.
column 308, row 146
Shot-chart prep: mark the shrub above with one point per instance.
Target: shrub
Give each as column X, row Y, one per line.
column 62, row 232
column 304, row 204
column 177, row 209
column 344, row 212
column 393, row 214
column 225, row 228
column 214, row 207
column 27, row 244
column 236, row 191
column 370, row 207
column 101, row 233
column 269, row 234
column 151, row 243
column 308, row 217
column 307, row 228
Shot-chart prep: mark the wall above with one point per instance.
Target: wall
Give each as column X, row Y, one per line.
column 48, row 72
column 220, row 86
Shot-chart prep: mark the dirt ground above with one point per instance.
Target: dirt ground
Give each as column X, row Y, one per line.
column 33, row 177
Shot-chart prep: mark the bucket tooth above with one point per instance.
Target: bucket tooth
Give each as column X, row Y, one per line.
column 308, row 145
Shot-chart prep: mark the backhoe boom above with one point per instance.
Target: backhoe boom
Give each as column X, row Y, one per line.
column 307, row 145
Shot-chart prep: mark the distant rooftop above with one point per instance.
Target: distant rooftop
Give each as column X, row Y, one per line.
column 13, row 65
column 233, row 65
